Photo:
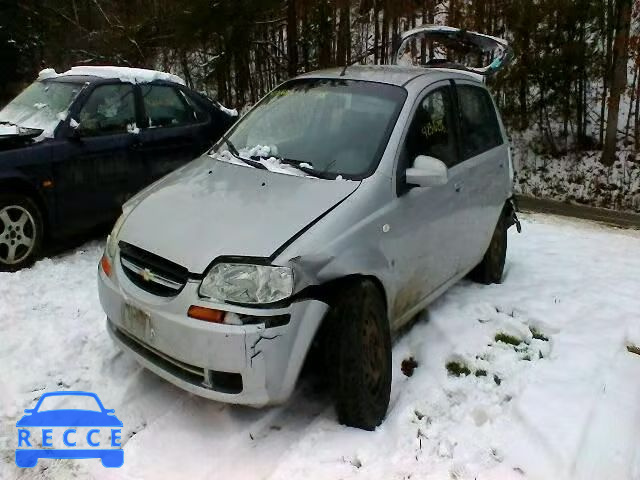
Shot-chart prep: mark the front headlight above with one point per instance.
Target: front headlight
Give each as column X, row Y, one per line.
column 249, row 284
column 112, row 239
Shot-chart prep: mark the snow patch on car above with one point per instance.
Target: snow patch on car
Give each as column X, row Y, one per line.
column 9, row 130
column 124, row 74
column 263, row 154
column 229, row 111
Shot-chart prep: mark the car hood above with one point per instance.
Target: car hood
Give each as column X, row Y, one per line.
column 212, row 208
column 12, row 136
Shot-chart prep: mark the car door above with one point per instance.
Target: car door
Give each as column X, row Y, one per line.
column 170, row 134
column 424, row 222
column 482, row 172
column 96, row 170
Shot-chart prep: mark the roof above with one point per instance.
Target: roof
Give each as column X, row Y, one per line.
column 125, row 74
column 391, row 74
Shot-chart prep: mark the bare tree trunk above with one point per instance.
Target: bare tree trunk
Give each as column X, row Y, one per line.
column 609, row 27
column 385, row 34
column 636, row 117
column 376, row 32
column 633, row 97
column 618, row 79
column 344, row 36
column 292, row 38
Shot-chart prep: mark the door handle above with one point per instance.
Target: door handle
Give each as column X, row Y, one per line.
column 458, row 186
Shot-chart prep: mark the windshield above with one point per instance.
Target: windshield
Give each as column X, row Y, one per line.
column 69, row 402
column 339, row 127
column 42, row 105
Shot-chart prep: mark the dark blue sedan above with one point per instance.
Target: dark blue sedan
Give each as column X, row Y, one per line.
column 75, row 146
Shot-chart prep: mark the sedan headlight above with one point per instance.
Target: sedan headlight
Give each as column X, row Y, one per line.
column 246, row 283
column 112, row 239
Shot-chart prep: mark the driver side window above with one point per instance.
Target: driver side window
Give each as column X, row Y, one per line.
column 110, row 109
column 432, row 129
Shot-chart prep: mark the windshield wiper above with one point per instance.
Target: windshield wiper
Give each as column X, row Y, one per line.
column 234, row 151
column 309, row 171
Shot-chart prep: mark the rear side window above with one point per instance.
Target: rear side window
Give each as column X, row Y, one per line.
column 165, row 107
column 109, row 109
column 478, row 121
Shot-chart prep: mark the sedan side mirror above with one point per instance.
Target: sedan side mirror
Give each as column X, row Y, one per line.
column 427, row 172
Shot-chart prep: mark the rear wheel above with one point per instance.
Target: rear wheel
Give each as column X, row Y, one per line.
column 21, row 232
column 359, row 355
column 490, row 269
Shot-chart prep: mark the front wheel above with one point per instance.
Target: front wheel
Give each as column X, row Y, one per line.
column 21, row 232
column 359, row 355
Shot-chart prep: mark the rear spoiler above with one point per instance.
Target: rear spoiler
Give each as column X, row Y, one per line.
column 462, row 40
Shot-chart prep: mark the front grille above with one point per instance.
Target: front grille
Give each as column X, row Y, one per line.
column 152, row 273
column 213, row 380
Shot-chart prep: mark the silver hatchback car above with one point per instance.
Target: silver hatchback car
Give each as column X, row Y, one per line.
column 331, row 214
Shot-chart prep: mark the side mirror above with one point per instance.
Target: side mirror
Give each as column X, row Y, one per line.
column 73, row 130
column 29, row 410
column 427, row 172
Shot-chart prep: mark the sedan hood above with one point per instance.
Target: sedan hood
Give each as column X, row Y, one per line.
column 12, row 136
column 212, row 208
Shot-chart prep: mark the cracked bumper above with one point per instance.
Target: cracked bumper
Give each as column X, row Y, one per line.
column 190, row 353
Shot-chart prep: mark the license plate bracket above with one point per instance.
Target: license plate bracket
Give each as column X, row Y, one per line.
column 135, row 321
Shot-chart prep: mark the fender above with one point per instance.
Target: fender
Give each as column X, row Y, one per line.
column 14, row 181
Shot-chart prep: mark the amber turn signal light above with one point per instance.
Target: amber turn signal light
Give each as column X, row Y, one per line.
column 106, row 265
column 206, row 314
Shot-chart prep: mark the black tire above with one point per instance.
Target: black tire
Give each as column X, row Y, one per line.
column 490, row 269
column 15, row 254
column 358, row 348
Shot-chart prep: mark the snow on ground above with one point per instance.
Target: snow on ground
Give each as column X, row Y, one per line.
column 564, row 403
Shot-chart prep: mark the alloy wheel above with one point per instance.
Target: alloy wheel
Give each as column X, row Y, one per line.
column 17, row 234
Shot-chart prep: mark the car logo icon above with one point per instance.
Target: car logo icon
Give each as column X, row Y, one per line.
column 37, row 428
column 147, row 275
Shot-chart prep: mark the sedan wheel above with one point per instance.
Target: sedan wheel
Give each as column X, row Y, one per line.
column 20, row 232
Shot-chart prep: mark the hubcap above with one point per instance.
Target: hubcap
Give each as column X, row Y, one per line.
column 17, row 234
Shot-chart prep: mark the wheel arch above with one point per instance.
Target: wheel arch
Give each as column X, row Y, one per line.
column 329, row 288
column 21, row 186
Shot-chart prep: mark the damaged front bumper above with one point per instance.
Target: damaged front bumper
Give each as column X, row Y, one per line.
column 242, row 364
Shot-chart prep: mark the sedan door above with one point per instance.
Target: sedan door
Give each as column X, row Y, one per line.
column 95, row 168
column 172, row 132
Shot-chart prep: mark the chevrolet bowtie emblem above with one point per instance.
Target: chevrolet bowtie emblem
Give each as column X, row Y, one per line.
column 147, row 276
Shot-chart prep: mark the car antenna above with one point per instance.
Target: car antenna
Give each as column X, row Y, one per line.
column 358, row 59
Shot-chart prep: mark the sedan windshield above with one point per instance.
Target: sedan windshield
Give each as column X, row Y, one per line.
column 69, row 402
column 329, row 126
column 41, row 105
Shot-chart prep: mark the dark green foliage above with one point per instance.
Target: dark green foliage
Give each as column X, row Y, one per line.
column 457, row 369
column 538, row 335
column 506, row 338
